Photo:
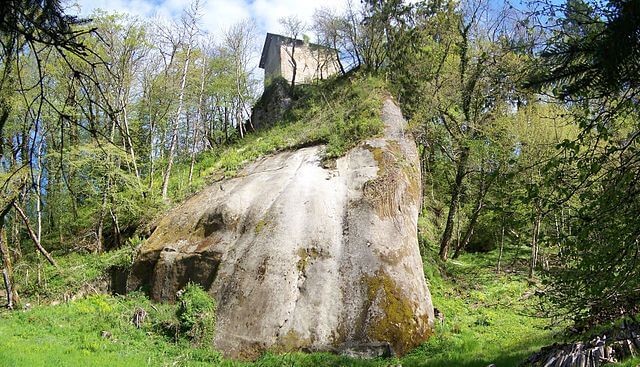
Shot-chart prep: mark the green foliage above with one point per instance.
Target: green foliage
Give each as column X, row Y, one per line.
column 585, row 58
column 597, row 276
column 196, row 314
column 355, row 115
column 77, row 273
column 595, row 174
column 489, row 316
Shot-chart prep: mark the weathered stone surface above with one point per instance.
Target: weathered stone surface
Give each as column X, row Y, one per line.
column 302, row 257
column 272, row 105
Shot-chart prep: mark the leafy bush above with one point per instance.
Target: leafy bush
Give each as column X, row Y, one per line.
column 196, row 314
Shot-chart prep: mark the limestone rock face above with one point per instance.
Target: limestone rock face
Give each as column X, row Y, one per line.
column 302, row 257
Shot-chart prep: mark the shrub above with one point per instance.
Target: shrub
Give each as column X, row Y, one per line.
column 196, row 314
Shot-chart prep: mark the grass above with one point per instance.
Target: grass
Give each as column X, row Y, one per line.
column 633, row 362
column 489, row 319
column 71, row 335
column 489, row 316
column 77, row 273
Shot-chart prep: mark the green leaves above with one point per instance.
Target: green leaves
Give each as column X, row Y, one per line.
column 196, row 314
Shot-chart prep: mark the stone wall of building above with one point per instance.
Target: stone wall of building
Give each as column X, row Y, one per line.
column 313, row 63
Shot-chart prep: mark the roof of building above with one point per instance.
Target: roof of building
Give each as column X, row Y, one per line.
column 267, row 43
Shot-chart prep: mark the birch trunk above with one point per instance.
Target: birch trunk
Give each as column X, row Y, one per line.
column 176, row 120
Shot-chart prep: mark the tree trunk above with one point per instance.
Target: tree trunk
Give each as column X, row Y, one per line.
column 499, row 267
column 15, row 237
column 176, row 121
column 484, row 188
column 335, row 47
column 199, row 121
column 152, row 128
column 116, row 229
column 7, row 266
column 39, row 193
column 103, row 214
column 424, row 169
column 295, row 66
column 226, row 125
column 193, row 155
column 33, row 235
column 129, row 142
column 456, row 192
column 534, row 243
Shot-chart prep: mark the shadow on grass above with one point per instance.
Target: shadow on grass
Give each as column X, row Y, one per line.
column 507, row 358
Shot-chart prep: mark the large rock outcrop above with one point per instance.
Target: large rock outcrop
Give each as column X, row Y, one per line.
column 303, row 257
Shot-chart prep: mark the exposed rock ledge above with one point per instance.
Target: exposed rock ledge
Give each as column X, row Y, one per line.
column 301, row 257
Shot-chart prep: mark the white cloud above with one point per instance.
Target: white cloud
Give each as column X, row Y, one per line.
column 141, row 8
column 267, row 12
column 217, row 15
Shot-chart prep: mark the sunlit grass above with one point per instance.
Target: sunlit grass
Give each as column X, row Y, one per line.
column 489, row 318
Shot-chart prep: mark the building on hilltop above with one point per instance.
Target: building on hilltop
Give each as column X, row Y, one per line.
column 312, row 61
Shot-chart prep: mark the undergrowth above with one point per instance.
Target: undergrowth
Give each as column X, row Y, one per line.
column 196, row 314
column 489, row 317
column 77, row 274
column 97, row 331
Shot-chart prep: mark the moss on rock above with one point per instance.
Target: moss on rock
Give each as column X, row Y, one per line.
column 391, row 315
column 292, row 341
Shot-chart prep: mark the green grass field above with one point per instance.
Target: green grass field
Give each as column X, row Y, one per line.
column 489, row 318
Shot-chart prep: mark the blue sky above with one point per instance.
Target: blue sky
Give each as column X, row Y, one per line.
column 217, row 14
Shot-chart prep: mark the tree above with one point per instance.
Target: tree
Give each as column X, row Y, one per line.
column 592, row 62
column 238, row 46
column 293, row 28
column 328, row 27
column 595, row 53
column 37, row 25
column 189, row 31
